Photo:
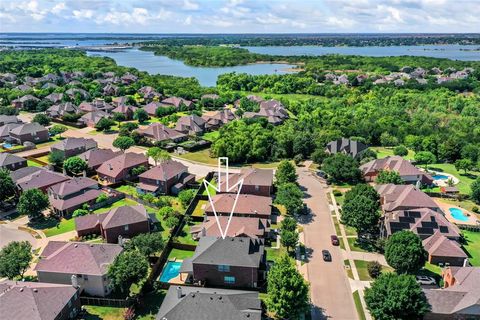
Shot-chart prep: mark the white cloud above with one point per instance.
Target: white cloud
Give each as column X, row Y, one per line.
column 59, row 7
column 190, row 5
column 188, row 21
column 82, row 14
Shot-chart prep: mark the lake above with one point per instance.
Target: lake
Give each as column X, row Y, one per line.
column 207, row 76
column 455, row 52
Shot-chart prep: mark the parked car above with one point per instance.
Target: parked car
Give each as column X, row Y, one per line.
column 326, row 255
column 425, row 280
column 334, row 240
column 321, row 174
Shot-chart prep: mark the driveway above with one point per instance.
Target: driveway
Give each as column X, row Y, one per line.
column 331, row 294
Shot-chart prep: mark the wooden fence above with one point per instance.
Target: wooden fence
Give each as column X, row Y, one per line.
column 106, row 302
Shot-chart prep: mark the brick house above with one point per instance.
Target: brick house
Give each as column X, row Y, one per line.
column 96, row 157
column 442, row 250
column 352, row 148
column 120, row 168
column 169, row 177
column 11, row 161
column 239, row 227
column 255, row 181
column 32, row 132
column 73, row 146
column 247, row 206
column 157, row 132
column 36, row 178
column 67, row 196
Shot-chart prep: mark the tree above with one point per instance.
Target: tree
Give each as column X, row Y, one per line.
column 388, row 176
column 32, row 202
column 186, row 196
column 361, row 213
column 289, row 239
column 158, row 154
column 287, row 291
column 342, row 168
column 464, row 164
column 290, row 196
column 374, row 269
column 387, row 140
column 75, row 165
column 364, row 190
column 56, row 158
column 7, row 187
column 425, row 157
column 119, row 117
column 286, row 173
column 57, row 129
column 289, row 224
column 42, row 119
column 396, row 297
column 129, row 267
column 79, row 213
column 404, row 252
column 140, row 115
column 147, row 243
column 138, row 171
column 475, row 186
column 123, row 143
column 319, row 155
column 104, row 124
column 15, row 258
column 400, row 150
column 101, row 198
column 172, row 221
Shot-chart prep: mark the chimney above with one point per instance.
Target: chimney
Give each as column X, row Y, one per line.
column 35, row 290
column 110, row 167
column 179, row 292
column 74, row 280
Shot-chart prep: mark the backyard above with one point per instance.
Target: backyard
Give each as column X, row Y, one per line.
column 178, row 254
column 184, row 236
column 472, row 246
column 465, row 179
column 199, row 209
column 383, row 152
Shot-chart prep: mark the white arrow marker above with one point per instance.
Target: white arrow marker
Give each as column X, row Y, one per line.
column 218, row 188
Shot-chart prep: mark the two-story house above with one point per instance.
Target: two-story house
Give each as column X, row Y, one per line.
column 32, row 132
column 120, row 167
column 11, row 161
column 255, row 181
column 73, row 146
column 169, row 177
column 247, row 205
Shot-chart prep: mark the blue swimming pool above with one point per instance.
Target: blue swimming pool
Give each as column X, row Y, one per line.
column 458, row 214
column 7, row 145
column 170, row 271
column 440, row 177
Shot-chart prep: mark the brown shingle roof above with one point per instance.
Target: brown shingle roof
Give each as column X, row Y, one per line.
column 114, row 166
column 439, row 245
column 397, row 197
column 395, row 163
column 119, row 216
column 251, row 177
column 164, row 171
column 246, row 204
column 96, row 157
column 37, row 178
column 7, row 159
column 74, row 143
column 160, row 132
column 239, row 226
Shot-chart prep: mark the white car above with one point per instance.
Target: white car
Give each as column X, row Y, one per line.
column 424, row 280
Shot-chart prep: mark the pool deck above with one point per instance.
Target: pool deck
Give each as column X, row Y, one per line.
column 472, row 218
column 175, row 280
column 443, row 182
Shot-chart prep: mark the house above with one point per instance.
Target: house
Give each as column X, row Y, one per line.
column 169, row 177
column 49, row 85
column 404, row 197
column 36, row 178
column 255, row 181
column 125, row 222
column 73, row 92
column 247, row 206
column 119, row 101
column 273, row 110
column 4, row 119
column 128, row 78
column 110, row 90
column 85, row 264
column 449, row 190
column 230, row 262
column 95, row 157
column 11, row 161
column 32, row 132
column 120, row 167
column 21, row 102
column 352, row 148
column 195, row 303
column 149, row 93
column 151, row 108
column 176, row 102
column 215, row 119
column 191, row 125
column 158, row 132
column 96, row 105
column 422, row 221
column 23, row 87
column 239, row 227
column 55, row 97
column 91, row 119
column 72, row 146
column 59, row 110
column 126, row 110
column 67, row 196
column 8, row 77
column 5, row 131
column 459, row 299
column 407, row 171
column 22, row 300
column 445, row 251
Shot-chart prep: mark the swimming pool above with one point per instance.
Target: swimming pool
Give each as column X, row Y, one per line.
column 440, row 177
column 458, row 214
column 170, row 271
column 7, row 145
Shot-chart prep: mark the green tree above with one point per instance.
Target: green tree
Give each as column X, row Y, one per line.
column 186, row 196
column 42, row 119
column 396, row 297
column 104, row 124
column 287, row 291
column 15, row 258
column 129, row 267
column 119, row 117
column 7, row 186
column 318, row 156
column 79, row 213
column 172, row 221
column 425, row 158
column 288, row 223
column 364, row 190
column 464, row 164
column 475, row 194
column 75, row 165
column 361, row 213
column 101, row 198
column 32, row 202
column 146, row 243
column 158, row 154
column 290, row 196
column 400, row 150
column 56, row 158
column 387, row 140
column 289, row 239
column 342, row 168
column 286, row 173
column 374, row 269
column 139, row 170
column 388, row 176
column 140, row 115
column 123, row 143
column 57, row 129
column 404, row 252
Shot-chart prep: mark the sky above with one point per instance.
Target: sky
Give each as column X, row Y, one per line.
column 240, row 16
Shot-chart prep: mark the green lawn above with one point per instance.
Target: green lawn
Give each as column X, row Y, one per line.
column 358, row 305
column 180, row 254
column 120, row 203
column 383, row 152
column 44, row 158
column 340, row 199
column 198, row 212
column 131, row 190
column 150, row 305
column 352, row 242
column 348, row 269
column 337, row 226
column 465, row 179
column 65, row 225
column 361, row 266
column 210, row 188
column 103, row 313
column 185, row 237
column 202, row 156
column 31, row 163
column 275, row 254
column 211, row 136
column 472, row 247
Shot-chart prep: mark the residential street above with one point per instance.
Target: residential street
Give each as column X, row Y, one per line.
column 330, row 290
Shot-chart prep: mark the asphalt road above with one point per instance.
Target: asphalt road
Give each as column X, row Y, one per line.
column 11, row 233
column 330, row 291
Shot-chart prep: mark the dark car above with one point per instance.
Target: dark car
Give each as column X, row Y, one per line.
column 326, row 255
column 334, row 240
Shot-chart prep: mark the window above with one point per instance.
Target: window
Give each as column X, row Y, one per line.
column 85, row 277
column 223, row 268
column 126, row 227
column 229, row 280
